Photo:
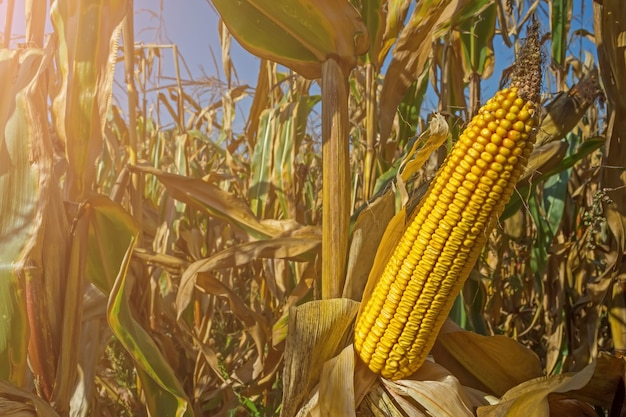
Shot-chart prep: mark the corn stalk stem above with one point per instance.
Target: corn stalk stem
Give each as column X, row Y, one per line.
column 474, row 93
column 335, row 178
column 128, row 36
column 41, row 335
column 370, row 132
column 609, row 27
column 35, row 13
column 8, row 24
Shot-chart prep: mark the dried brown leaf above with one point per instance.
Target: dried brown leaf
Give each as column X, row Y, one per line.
column 411, row 54
column 544, row 158
column 531, row 397
column 227, row 63
column 427, row 143
column 565, row 111
column 336, row 389
column 435, row 390
column 256, row 325
column 260, row 101
column 213, row 200
column 391, row 237
column 367, row 233
column 492, row 364
column 378, row 403
column 318, row 331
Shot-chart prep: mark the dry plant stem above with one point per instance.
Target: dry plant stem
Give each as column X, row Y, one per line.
column 129, row 62
column 8, row 23
column 179, row 86
column 444, row 94
column 128, row 32
column 474, row 93
column 40, row 336
column 36, row 14
column 67, row 360
column 610, row 25
column 336, row 178
column 370, row 131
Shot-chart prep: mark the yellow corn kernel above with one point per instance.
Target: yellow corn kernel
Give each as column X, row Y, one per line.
column 399, row 324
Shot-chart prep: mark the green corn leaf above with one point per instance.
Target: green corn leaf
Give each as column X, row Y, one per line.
column 108, row 223
column 560, row 14
column 164, row 392
column 261, row 161
column 374, row 19
column 309, row 31
column 477, row 35
column 286, row 147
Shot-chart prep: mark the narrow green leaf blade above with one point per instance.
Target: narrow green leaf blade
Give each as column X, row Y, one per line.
column 477, row 35
column 108, row 224
column 261, row 162
column 560, row 11
column 165, row 395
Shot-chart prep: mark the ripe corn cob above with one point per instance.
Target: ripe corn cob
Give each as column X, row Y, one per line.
column 400, row 322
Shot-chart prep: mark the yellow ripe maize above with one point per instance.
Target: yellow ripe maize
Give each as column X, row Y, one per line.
column 400, row 322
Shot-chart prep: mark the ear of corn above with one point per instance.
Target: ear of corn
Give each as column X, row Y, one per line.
column 400, row 322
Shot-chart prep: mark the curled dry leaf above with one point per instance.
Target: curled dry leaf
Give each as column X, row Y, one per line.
column 600, row 383
column 378, row 403
column 367, row 233
column 435, row 390
column 343, row 384
column 427, row 143
column 318, row 331
column 565, row 111
column 492, row 364
column 291, row 248
column 337, row 397
column 211, row 199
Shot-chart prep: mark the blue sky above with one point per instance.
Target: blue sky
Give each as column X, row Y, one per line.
column 190, row 24
column 193, row 26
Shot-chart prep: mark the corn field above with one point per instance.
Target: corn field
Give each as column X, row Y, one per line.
column 166, row 250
